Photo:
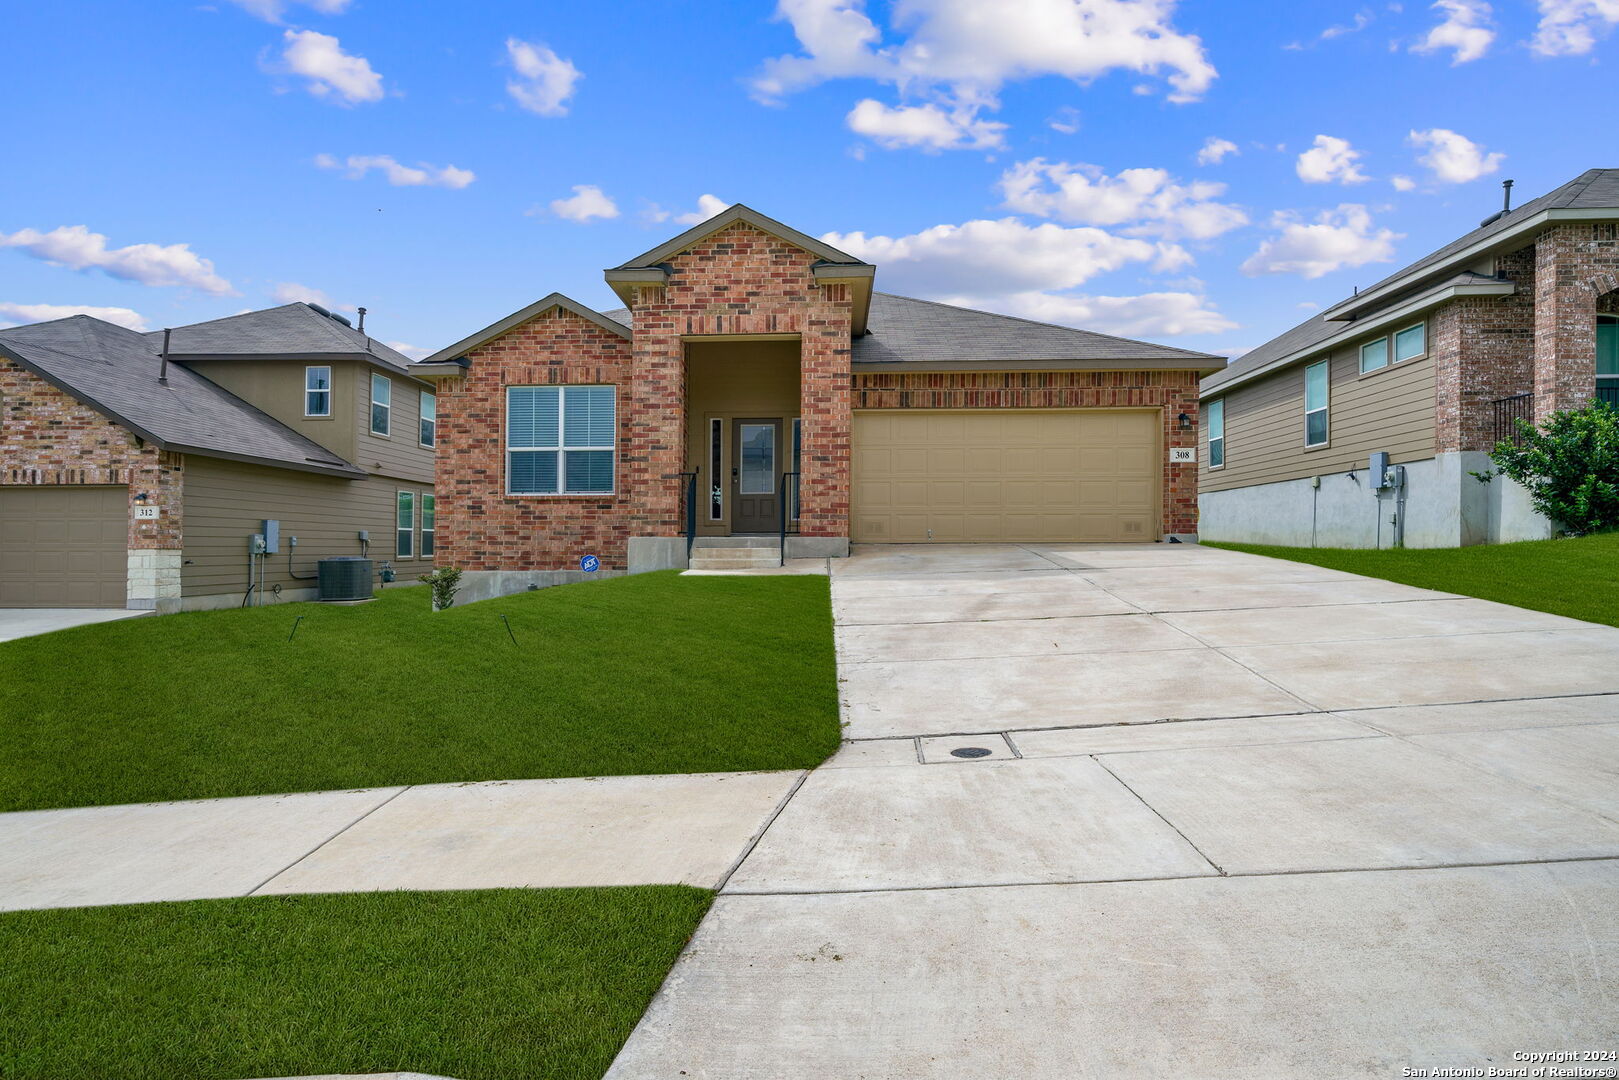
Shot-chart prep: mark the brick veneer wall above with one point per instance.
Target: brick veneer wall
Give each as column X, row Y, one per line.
column 741, row 280
column 1575, row 264
column 480, row 527
column 1174, row 392
column 50, row 438
column 1484, row 350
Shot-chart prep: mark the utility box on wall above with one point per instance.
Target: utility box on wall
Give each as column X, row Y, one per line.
column 272, row 537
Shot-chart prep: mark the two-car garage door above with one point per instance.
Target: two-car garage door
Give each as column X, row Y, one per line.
column 63, row 546
column 1085, row 475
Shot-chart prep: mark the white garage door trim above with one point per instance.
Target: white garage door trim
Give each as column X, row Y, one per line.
column 1006, row 475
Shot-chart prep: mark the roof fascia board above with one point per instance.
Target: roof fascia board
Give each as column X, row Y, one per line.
column 1345, row 308
column 446, row 369
column 924, row 366
column 1355, row 329
column 730, row 216
column 346, row 471
column 517, row 318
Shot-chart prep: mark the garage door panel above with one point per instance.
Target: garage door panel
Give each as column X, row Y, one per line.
column 1006, row 475
column 63, row 546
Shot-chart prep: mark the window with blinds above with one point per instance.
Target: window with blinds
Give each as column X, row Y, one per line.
column 560, row 440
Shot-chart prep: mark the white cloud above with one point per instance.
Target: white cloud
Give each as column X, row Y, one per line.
column 1465, row 30
column 1454, row 158
column 545, row 81
column 1215, row 150
column 1004, row 256
column 415, row 352
column 16, row 314
column 926, row 126
column 290, row 292
column 1065, row 120
column 1158, row 314
column 1571, row 27
column 961, row 52
column 1336, row 239
column 274, row 10
column 320, row 59
column 1147, row 200
column 1403, row 183
column 1360, row 22
column 420, row 175
column 76, row 247
column 585, row 204
column 707, row 207
column 1330, row 160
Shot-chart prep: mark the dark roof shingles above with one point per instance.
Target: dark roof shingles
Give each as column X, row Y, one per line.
column 289, row 330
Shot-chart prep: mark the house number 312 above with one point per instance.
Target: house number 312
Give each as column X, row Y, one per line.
column 147, row 513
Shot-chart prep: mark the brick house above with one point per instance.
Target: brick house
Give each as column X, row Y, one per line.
column 134, row 478
column 1519, row 317
column 754, row 378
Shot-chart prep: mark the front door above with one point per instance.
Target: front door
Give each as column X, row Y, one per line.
column 755, row 475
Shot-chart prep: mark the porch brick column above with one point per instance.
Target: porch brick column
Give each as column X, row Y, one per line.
column 825, row 387
column 655, row 427
column 1573, row 265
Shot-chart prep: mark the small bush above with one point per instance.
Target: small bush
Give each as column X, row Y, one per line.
column 445, row 582
column 1570, row 467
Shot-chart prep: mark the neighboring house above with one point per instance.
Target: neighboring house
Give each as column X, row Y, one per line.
column 759, row 362
column 126, row 481
column 1519, row 317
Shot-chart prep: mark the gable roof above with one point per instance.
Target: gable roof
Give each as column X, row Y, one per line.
column 728, row 217
column 115, row 371
column 489, row 333
column 290, row 332
column 906, row 333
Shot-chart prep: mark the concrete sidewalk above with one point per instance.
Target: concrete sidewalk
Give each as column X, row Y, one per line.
column 1221, row 816
column 620, row 830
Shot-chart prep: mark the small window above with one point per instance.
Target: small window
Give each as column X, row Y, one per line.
column 382, row 392
column 716, row 470
column 1215, row 412
column 405, row 524
column 1374, row 355
column 429, row 512
column 1608, row 359
column 1315, row 404
column 317, row 391
column 429, row 432
column 1411, row 342
column 560, row 440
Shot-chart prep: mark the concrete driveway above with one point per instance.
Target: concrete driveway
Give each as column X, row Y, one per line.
column 1218, row 815
column 26, row 622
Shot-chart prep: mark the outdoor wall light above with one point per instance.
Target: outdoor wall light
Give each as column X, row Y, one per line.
column 1186, row 421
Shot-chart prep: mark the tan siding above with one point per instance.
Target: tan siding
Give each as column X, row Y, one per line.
column 226, row 502
column 1391, row 410
column 277, row 387
column 400, row 454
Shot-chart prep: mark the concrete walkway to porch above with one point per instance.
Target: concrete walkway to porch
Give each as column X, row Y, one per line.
column 1217, row 815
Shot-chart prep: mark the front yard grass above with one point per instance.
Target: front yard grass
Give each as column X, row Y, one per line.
column 656, row 673
column 486, row 985
column 1574, row 577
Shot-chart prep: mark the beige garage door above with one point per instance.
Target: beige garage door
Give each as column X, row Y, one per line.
column 63, row 546
column 1014, row 476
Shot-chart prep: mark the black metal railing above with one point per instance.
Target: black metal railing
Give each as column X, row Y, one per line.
column 690, row 500
column 788, row 499
column 1505, row 414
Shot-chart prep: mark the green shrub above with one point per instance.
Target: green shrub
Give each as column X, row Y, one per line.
column 446, row 582
column 1570, row 467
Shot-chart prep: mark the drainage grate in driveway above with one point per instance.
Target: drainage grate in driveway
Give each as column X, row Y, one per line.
column 971, row 751
column 956, row 749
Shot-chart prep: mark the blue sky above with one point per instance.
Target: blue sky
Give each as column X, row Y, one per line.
column 1198, row 173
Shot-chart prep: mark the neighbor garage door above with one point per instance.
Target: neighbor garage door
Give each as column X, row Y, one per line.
column 63, row 546
column 1023, row 476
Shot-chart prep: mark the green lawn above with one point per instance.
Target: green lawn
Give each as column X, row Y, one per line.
column 656, row 673
column 505, row 983
column 1574, row 577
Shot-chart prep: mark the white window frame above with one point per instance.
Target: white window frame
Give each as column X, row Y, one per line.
column 1211, row 411
column 1326, row 402
column 1388, row 353
column 427, row 534
column 327, row 415
column 428, row 400
column 561, row 450
column 409, row 532
column 386, row 403
column 1394, row 344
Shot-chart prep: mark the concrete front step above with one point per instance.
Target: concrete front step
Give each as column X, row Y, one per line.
column 733, row 542
column 734, row 563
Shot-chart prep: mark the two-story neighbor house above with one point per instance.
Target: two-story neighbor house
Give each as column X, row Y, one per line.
column 131, row 477
column 1519, row 317
column 755, row 368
